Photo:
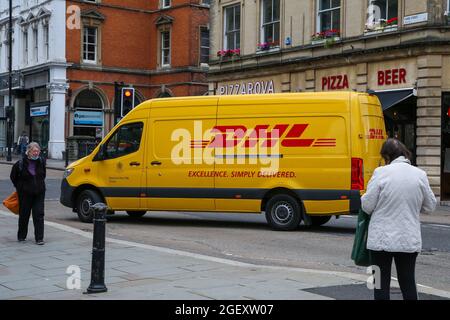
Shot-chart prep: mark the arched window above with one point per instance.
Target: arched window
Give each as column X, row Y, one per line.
column 88, row 115
column 88, row 99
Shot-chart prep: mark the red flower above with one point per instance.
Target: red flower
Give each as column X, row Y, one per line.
column 392, row 20
column 228, row 52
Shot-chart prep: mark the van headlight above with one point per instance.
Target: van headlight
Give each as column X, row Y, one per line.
column 67, row 172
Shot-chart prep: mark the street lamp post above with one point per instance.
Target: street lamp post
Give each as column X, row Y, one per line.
column 10, row 113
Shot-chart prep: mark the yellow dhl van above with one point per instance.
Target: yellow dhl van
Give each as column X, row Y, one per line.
column 296, row 157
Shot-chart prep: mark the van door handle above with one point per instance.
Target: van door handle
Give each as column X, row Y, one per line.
column 156, row 163
column 134, row 163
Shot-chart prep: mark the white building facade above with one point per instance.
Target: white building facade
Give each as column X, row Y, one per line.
column 39, row 72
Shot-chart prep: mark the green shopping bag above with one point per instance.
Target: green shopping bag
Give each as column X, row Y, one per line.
column 360, row 253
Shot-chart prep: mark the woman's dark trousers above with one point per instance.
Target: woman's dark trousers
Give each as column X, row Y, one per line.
column 31, row 204
column 405, row 263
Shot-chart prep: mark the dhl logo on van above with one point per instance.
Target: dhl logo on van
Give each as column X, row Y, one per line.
column 290, row 136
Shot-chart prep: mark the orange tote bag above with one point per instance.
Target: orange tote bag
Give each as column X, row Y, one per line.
column 12, row 202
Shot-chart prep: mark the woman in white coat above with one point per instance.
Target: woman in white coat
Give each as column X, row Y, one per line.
column 396, row 194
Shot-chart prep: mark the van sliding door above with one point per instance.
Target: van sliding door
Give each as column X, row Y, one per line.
column 180, row 168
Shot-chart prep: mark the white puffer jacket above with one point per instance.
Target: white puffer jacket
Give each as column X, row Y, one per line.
column 396, row 194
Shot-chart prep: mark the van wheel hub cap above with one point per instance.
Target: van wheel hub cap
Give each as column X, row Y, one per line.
column 86, row 206
column 283, row 212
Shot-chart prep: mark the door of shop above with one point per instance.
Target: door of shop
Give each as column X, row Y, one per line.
column 2, row 135
column 445, row 158
column 400, row 115
column 40, row 125
column 401, row 123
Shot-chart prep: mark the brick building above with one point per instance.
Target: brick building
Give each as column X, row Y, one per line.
column 398, row 49
column 159, row 47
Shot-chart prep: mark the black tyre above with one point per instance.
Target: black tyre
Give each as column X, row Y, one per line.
column 283, row 213
column 136, row 214
column 319, row 220
column 85, row 200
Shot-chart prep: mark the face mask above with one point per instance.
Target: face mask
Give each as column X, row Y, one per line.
column 34, row 157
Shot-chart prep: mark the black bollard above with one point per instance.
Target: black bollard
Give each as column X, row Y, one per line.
column 98, row 252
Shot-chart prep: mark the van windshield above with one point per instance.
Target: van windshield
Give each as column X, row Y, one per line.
column 125, row 140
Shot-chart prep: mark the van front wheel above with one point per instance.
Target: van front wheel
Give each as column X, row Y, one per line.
column 85, row 200
column 283, row 213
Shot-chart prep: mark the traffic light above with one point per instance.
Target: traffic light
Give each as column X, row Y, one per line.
column 126, row 101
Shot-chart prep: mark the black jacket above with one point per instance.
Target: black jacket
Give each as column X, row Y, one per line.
column 24, row 182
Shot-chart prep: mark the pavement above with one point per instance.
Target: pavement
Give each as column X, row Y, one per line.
column 51, row 163
column 61, row 270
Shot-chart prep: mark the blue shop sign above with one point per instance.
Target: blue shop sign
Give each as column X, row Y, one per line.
column 38, row 111
column 91, row 118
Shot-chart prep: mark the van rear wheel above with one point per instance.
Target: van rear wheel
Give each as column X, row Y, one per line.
column 136, row 214
column 85, row 200
column 283, row 212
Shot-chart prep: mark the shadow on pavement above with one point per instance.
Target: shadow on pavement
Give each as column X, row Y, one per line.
column 187, row 221
column 361, row 292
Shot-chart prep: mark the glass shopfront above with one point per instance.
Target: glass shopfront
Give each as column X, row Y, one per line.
column 88, row 123
column 39, row 124
column 445, row 167
column 400, row 116
column 88, row 116
column 401, row 122
column 2, row 124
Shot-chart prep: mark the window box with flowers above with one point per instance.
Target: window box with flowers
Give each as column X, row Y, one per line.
column 229, row 53
column 329, row 37
column 267, row 47
column 382, row 25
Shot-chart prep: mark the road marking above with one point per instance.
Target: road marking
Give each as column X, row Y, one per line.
column 347, row 275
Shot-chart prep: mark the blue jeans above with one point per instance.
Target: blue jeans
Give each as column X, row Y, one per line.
column 23, row 148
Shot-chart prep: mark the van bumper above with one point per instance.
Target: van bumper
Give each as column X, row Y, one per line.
column 355, row 202
column 66, row 194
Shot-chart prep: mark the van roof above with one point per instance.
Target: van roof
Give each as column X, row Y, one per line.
column 317, row 97
column 336, row 95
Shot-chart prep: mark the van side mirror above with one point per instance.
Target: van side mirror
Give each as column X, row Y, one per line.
column 101, row 154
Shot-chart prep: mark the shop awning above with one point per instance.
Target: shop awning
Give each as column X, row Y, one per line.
column 390, row 98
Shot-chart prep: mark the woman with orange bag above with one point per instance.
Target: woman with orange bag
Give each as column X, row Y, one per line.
column 28, row 177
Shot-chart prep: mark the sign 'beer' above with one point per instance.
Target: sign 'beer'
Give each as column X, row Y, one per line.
column 391, row 77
